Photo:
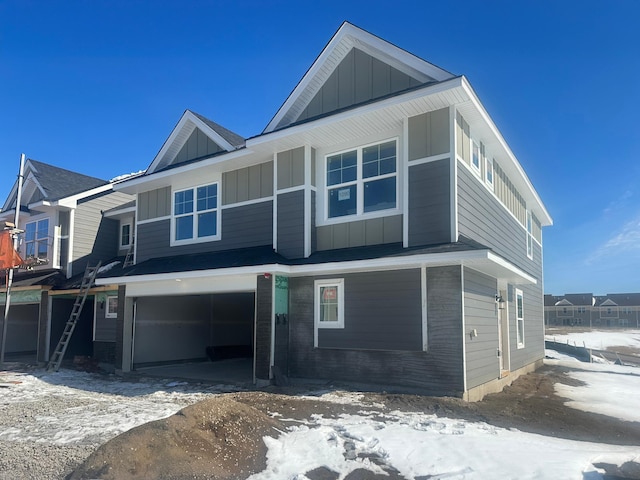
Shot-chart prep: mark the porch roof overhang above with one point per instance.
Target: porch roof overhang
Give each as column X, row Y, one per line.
column 365, row 259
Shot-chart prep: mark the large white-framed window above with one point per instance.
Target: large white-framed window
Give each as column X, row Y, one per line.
column 362, row 180
column 329, row 303
column 125, row 235
column 111, row 307
column 529, row 234
column 195, row 215
column 520, row 317
column 36, row 239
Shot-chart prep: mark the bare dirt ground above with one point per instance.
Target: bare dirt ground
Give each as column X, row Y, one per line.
column 223, row 435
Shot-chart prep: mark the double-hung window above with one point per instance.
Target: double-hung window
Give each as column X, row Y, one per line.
column 520, row 317
column 362, row 180
column 125, row 235
column 329, row 303
column 111, row 307
column 36, row 239
column 195, row 214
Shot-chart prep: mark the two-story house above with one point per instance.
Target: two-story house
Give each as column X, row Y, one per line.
column 61, row 215
column 593, row 311
column 379, row 230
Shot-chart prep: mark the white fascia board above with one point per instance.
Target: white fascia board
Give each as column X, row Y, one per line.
column 482, row 260
column 72, row 201
column 188, row 116
column 164, row 178
column 546, row 218
column 451, row 84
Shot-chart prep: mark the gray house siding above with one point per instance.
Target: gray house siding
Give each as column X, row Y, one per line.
column 291, row 168
column 249, row 183
column 429, row 203
column 436, row 371
column 484, row 219
column 105, row 328
column 480, row 315
column 154, row 204
column 197, row 145
column 358, row 78
column 429, row 134
column 246, row 226
column 264, row 303
column 362, row 232
column 382, row 312
column 291, row 224
column 95, row 237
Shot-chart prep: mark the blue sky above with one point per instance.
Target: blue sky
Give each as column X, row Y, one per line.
column 97, row 86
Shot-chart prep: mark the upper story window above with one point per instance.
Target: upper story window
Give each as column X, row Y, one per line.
column 195, row 214
column 362, row 180
column 529, row 235
column 125, row 235
column 488, row 172
column 476, row 156
column 36, row 239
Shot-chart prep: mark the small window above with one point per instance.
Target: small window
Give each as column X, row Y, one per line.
column 111, row 307
column 488, row 174
column 195, row 214
column 520, row 317
column 529, row 235
column 475, row 156
column 125, row 235
column 329, row 303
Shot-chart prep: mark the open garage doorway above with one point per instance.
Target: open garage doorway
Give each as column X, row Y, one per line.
column 81, row 342
column 208, row 337
column 22, row 332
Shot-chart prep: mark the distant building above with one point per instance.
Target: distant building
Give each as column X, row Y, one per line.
column 620, row 310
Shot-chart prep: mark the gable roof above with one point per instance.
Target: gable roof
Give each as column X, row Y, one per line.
column 223, row 138
column 54, row 183
column 347, row 38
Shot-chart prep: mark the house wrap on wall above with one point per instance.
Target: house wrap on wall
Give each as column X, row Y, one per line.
column 378, row 230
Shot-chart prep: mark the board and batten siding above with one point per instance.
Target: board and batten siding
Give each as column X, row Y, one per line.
column 154, row 203
column 429, row 134
column 481, row 316
column 290, row 168
column 245, row 226
column 95, row 237
column 249, row 183
column 291, row 224
column 358, row 78
column 373, row 231
column 429, row 209
column 437, row 371
column 198, row 145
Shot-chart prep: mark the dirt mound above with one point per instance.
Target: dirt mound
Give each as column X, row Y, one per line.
column 216, row 438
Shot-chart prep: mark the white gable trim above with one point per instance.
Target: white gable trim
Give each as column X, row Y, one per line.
column 180, row 134
column 346, row 38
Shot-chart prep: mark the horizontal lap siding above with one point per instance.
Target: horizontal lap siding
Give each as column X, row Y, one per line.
column 246, row 226
column 291, row 224
column 437, row 371
column 382, row 312
column 480, row 314
column 484, row 219
column 429, row 203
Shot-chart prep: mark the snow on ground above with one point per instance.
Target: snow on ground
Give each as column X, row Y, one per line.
column 598, row 339
column 97, row 407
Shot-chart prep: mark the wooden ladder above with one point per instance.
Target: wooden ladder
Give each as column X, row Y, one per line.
column 87, row 281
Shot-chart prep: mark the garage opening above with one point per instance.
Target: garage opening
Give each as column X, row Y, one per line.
column 206, row 336
column 22, row 331
column 81, row 342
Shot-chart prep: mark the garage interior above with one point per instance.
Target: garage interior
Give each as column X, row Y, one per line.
column 22, row 331
column 206, row 336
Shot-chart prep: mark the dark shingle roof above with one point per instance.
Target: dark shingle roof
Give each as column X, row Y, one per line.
column 60, row 183
column 231, row 137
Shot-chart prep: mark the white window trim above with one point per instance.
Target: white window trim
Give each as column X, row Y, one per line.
column 519, row 320
column 488, row 163
column 359, row 182
column 478, row 145
column 529, row 229
column 122, row 225
column 331, row 282
column 195, row 238
column 37, row 239
column 108, row 314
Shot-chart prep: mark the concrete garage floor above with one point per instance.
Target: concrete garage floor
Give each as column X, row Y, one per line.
column 234, row 371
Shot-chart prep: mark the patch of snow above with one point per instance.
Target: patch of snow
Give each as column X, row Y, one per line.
column 119, row 178
column 599, row 339
column 109, row 266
